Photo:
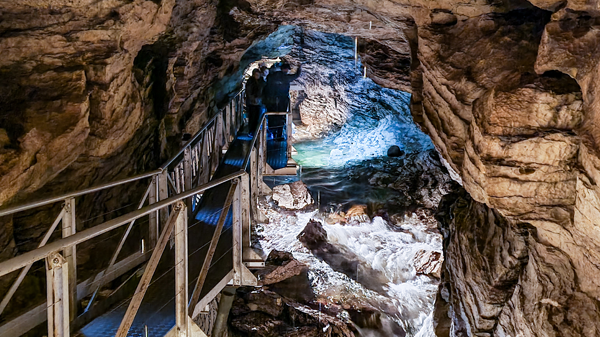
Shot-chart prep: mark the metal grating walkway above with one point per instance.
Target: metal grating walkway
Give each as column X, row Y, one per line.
column 157, row 310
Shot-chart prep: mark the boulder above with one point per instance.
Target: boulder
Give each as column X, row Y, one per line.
column 394, row 151
column 428, row 262
column 357, row 213
column 292, row 196
column 286, row 276
column 261, row 312
column 340, row 258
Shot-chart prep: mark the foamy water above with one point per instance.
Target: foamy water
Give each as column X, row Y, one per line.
column 366, row 136
column 409, row 298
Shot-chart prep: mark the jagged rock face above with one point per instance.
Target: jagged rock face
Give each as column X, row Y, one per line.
column 501, row 278
column 507, row 91
column 68, row 89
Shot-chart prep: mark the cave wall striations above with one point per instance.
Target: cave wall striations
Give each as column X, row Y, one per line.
column 509, row 101
column 95, row 90
column 73, row 113
column 507, row 91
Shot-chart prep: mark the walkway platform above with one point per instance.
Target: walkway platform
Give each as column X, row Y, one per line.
column 157, row 312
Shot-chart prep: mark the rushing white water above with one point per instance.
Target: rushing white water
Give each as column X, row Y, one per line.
column 366, row 136
column 409, row 298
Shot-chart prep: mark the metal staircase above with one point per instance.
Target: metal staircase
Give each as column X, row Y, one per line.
column 195, row 225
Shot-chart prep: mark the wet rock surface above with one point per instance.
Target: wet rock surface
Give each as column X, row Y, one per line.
column 509, row 278
column 285, row 305
column 507, row 90
column 342, row 260
column 286, row 276
column 292, row 196
column 394, row 151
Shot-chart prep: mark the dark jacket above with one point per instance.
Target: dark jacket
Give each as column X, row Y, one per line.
column 278, row 83
column 254, row 91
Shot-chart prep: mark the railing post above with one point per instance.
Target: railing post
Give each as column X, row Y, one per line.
column 288, row 132
column 205, row 160
column 158, row 191
column 245, row 210
column 151, row 266
column 163, row 193
column 153, row 221
column 70, row 254
column 262, row 159
column 254, row 182
column 187, row 175
column 57, row 280
column 237, row 233
column 181, row 273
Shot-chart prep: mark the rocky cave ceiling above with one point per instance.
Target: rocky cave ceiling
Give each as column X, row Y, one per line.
column 95, row 90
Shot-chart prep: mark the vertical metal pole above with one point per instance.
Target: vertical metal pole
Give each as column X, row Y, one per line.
column 205, row 177
column 237, row 234
column 254, row 183
column 50, row 298
column 187, row 176
column 181, row 273
column 245, row 210
column 57, row 271
column 162, row 194
column 69, row 228
column 262, row 158
column 153, row 223
column 289, row 134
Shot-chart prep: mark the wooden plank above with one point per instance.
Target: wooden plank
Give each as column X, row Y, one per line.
column 140, row 291
column 69, row 228
column 181, row 274
column 213, row 246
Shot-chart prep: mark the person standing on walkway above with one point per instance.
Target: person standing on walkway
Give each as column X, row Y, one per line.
column 277, row 96
column 264, row 71
column 254, row 99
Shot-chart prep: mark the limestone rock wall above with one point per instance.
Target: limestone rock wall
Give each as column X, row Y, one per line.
column 95, row 90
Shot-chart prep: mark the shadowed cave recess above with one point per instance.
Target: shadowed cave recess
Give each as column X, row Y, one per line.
column 487, row 224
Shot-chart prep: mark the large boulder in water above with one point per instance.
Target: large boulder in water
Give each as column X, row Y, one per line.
column 292, row 196
column 286, row 276
column 394, row 151
column 340, row 258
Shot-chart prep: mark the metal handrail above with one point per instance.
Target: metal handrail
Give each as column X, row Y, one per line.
column 197, row 135
column 23, row 260
column 51, row 200
column 189, row 143
column 260, row 122
column 62, row 197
